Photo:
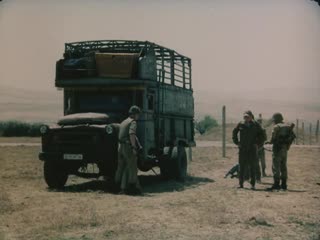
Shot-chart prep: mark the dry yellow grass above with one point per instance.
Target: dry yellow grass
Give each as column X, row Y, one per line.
column 207, row 206
column 20, row 139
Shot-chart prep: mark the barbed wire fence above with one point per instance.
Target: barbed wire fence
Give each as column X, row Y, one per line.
column 307, row 132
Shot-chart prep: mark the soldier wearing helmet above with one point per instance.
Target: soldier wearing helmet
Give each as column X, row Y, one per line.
column 277, row 118
column 282, row 138
column 127, row 172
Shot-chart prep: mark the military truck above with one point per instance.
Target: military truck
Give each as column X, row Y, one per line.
column 100, row 81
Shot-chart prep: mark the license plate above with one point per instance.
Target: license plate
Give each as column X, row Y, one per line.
column 72, row 156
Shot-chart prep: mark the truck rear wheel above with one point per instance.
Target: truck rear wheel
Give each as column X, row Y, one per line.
column 55, row 174
column 179, row 157
column 175, row 165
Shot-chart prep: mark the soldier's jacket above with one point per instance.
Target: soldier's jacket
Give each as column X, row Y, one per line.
column 251, row 134
column 127, row 127
column 282, row 135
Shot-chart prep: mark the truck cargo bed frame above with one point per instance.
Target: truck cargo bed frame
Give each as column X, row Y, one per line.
column 172, row 67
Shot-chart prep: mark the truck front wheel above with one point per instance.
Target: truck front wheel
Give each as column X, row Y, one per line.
column 55, row 174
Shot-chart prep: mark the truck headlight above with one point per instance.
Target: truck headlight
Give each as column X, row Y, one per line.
column 44, row 129
column 109, row 129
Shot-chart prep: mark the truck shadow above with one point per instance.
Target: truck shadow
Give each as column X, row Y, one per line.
column 155, row 184
column 149, row 183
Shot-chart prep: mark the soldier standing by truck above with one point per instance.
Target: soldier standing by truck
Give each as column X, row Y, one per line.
column 250, row 138
column 282, row 138
column 127, row 172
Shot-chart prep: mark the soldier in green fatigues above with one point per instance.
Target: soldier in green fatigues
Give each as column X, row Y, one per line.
column 127, row 172
column 250, row 138
column 282, row 138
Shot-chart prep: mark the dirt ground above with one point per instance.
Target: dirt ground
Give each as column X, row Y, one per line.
column 207, row 206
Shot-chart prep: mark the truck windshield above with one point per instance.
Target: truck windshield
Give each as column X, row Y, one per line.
column 105, row 102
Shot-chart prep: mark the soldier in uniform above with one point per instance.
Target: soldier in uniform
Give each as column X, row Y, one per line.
column 282, row 138
column 127, row 172
column 261, row 152
column 250, row 138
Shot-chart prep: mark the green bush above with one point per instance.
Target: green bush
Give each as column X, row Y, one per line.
column 19, row 129
column 206, row 124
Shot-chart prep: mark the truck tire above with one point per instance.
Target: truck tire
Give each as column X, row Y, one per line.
column 165, row 163
column 54, row 174
column 180, row 163
column 175, row 165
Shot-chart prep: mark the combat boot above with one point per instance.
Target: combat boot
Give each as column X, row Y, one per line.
column 284, row 184
column 275, row 186
column 116, row 188
column 133, row 190
column 240, row 184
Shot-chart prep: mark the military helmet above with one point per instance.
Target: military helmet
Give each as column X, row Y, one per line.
column 248, row 113
column 134, row 110
column 277, row 117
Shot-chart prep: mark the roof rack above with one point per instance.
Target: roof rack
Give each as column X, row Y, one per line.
column 172, row 68
column 119, row 46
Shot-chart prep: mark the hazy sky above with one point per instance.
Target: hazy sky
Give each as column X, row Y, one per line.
column 235, row 45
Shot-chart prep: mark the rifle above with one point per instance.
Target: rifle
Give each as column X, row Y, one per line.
column 233, row 171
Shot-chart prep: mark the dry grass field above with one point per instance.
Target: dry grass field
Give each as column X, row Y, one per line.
column 207, row 206
column 20, row 140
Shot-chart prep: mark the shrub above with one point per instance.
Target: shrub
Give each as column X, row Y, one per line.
column 206, row 124
column 19, row 129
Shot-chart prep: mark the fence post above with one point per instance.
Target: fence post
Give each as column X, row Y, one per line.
column 302, row 127
column 297, row 132
column 310, row 132
column 224, row 131
column 317, row 132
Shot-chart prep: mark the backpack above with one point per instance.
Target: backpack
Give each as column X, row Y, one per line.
column 285, row 134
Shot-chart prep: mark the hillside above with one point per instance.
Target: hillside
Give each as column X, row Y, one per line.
column 46, row 105
column 300, row 103
column 30, row 105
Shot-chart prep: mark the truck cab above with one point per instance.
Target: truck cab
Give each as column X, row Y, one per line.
column 100, row 81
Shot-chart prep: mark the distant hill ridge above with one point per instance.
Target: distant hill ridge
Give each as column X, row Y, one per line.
column 46, row 105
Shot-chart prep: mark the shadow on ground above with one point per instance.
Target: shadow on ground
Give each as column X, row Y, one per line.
column 155, row 184
column 149, row 183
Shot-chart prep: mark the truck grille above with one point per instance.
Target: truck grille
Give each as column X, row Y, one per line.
column 73, row 142
column 72, row 138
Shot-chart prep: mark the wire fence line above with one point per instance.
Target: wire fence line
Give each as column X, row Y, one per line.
column 307, row 132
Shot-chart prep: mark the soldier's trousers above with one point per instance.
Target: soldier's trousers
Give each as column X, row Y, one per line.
column 262, row 159
column 279, row 164
column 261, row 162
column 247, row 161
column 127, row 171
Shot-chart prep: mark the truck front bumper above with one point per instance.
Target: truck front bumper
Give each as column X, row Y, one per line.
column 48, row 156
